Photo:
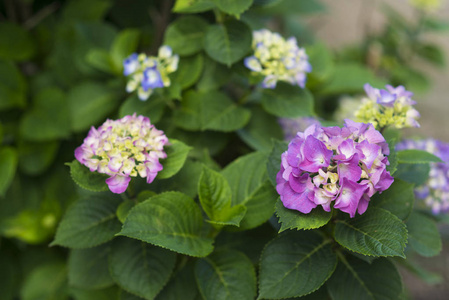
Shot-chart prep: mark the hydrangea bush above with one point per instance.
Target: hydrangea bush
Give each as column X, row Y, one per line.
column 185, row 150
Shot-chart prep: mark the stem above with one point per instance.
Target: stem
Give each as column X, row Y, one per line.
column 219, row 16
column 160, row 21
column 40, row 15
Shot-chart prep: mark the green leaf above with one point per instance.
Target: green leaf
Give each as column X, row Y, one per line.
column 413, row 173
column 397, row 199
column 103, row 294
column 140, row 268
column 91, row 181
column 86, row 10
column 228, row 42
column 321, row 59
column 16, row 43
column 261, row 129
column 212, row 110
column 186, row 34
column 153, row 108
column 100, row 59
column 295, row 264
column 89, row 104
column 423, row 235
column 274, row 159
column 181, row 286
column 176, row 156
column 214, row 75
column 377, row 233
column 287, row 7
column 88, row 223
column 124, row 44
column 123, row 210
column 287, row 101
column 49, row 119
column 433, row 54
column 233, row 7
column 250, row 187
column 350, row 78
column 185, row 181
column 189, row 70
column 12, row 86
column 192, row 6
column 35, row 158
column 88, row 268
column 215, row 198
column 8, row 166
column 170, row 220
column 46, row 282
column 293, row 219
column 356, row 279
column 226, row 275
column 415, row 156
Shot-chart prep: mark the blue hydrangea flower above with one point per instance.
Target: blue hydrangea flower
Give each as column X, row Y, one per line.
column 277, row 59
column 146, row 73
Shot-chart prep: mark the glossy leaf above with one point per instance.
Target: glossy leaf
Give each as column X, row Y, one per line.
column 226, row 275
column 423, row 235
column 153, row 108
column 287, row 101
column 356, row 279
column 212, row 110
column 124, row 44
column 170, row 220
column 35, row 158
column 377, row 233
column 88, row 268
column 250, row 187
column 88, row 222
column 214, row 75
column 12, row 86
column 49, row 119
column 295, row 264
column 185, row 35
column 216, row 197
column 140, row 268
column 293, row 219
column 274, row 159
column 397, row 199
column 189, row 70
column 47, row 281
column 260, row 130
column 16, row 43
column 89, row 104
column 182, row 285
column 8, row 166
column 228, row 42
column 233, row 7
column 91, row 181
column 415, row 156
column 413, row 173
column 192, row 6
column 176, row 156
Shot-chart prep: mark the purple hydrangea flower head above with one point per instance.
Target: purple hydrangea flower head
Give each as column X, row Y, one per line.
column 392, row 106
column 146, row 73
column 434, row 193
column 334, row 167
column 277, row 59
column 124, row 148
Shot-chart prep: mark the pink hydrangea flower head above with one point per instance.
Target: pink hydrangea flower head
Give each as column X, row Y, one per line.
column 334, row 167
column 124, row 148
